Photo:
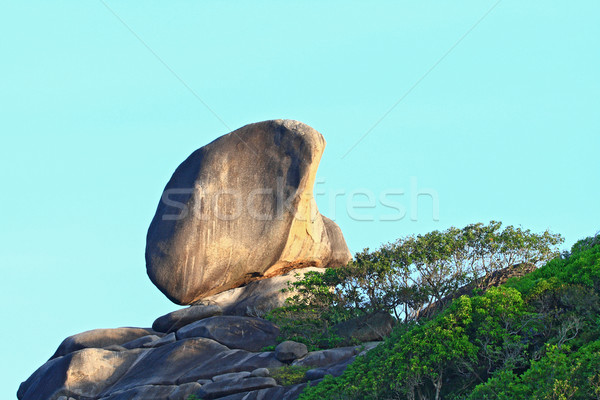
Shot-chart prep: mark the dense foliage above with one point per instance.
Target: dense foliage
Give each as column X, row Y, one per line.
column 536, row 337
column 405, row 277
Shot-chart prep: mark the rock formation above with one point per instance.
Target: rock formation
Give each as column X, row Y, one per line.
column 214, row 357
column 236, row 223
column 239, row 209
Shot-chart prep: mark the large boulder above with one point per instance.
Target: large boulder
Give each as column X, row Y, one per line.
column 240, row 209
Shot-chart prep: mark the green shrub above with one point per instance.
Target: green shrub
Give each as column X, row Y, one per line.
column 289, row 374
column 310, row 314
column 410, row 361
column 560, row 374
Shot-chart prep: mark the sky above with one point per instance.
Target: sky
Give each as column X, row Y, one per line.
column 457, row 112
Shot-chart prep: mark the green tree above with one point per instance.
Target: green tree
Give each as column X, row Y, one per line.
column 406, row 277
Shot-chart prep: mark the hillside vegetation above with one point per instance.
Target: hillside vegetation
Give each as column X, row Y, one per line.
column 534, row 337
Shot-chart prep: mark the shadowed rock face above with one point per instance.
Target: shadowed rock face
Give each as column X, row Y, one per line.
column 239, row 209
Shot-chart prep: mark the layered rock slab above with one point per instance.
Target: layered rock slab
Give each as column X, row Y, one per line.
column 98, row 338
column 223, row 388
column 239, row 209
column 246, row 333
column 165, row 365
column 175, row 320
column 167, row 392
column 279, row 393
column 229, row 362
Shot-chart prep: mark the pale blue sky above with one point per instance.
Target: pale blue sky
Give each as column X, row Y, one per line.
column 92, row 125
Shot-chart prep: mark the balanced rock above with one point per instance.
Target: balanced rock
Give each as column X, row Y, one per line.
column 240, row 209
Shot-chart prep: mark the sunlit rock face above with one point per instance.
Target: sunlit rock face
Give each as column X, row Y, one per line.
column 240, row 209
